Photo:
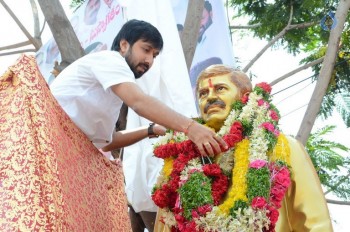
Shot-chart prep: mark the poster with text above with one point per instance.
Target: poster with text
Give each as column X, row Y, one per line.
column 95, row 22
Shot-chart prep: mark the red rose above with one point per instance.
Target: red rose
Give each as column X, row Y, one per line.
column 274, row 116
column 219, row 188
column 282, row 178
column 245, row 98
column 195, row 214
column 268, row 126
column 202, row 210
column 191, row 227
column 180, row 221
column 174, row 182
column 261, row 102
column 265, row 86
column 236, row 128
column 277, row 195
column 160, row 197
column 166, row 150
column 259, row 203
column 211, row 170
column 273, row 215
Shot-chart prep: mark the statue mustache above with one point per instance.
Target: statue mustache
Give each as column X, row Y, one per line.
column 219, row 103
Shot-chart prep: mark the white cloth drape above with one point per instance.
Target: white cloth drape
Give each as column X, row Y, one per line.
column 168, row 81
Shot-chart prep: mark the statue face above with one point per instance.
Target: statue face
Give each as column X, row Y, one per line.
column 215, row 97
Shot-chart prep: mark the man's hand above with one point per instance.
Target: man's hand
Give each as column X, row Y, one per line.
column 206, row 140
column 159, row 130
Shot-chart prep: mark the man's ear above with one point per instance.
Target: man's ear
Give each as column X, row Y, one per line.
column 124, row 46
column 246, row 94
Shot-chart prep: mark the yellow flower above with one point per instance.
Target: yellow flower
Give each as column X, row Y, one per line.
column 168, row 166
column 281, row 151
column 238, row 188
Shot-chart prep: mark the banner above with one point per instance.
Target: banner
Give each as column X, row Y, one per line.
column 214, row 44
column 95, row 23
column 168, row 81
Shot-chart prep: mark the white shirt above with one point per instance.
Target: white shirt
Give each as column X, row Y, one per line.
column 83, row 90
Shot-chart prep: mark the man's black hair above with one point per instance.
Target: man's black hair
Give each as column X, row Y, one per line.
column 135, row 30
column 208, row 6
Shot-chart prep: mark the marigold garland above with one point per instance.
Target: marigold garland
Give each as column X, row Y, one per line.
column 201, row 194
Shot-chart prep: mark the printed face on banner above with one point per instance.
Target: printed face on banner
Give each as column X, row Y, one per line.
column 206, row 20
column 108, row 3
column 214, row 43
column 95, row 23
column 91, row 11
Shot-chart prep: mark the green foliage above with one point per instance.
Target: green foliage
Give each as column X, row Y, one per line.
column 331, row 167
column 271, row 138
column 258, row 181
column 262, row 92
column 247, row 127
column 239, row 205
column 76, row 3
column 343, row 106
column 196, row 191
column 199, row 120
column 274, row 17
column 237, row 105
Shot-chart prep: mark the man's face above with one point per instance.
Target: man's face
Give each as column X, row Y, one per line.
column 108, row 3
column 206, row 21
column 140, row 57
column 215, row 97
column 91, row 11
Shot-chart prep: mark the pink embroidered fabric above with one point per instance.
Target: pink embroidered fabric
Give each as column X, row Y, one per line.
column 52, row 178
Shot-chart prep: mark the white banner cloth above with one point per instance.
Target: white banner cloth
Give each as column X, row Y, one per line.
column 167, row 80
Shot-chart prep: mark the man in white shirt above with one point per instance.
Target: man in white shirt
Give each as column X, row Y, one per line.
column 92, row 89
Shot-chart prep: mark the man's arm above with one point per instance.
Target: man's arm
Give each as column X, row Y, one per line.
column 127, row 137
column 156, row 111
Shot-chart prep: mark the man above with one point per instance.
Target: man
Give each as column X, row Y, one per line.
column 303, row 207
column 206, row 20
column 206, row 35
column 91, row 11
column 92, row 89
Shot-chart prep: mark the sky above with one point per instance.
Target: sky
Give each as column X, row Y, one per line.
column 273, row 64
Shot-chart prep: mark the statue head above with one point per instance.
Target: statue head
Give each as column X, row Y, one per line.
column 218, row 87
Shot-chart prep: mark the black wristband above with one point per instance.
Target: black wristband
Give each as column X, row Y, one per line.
column 150, row 131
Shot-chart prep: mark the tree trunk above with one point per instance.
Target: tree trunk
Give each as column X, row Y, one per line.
column 189, row 35
column 325, row 73
column 62, row 31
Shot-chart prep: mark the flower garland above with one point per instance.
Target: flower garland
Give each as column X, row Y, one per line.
column 239, row 190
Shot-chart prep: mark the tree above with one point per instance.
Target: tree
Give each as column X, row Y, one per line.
column 35, row 40
column 299, row 27
column 325, row 73
column 331, row 167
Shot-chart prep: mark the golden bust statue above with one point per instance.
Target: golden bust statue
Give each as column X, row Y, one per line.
column 265, row 181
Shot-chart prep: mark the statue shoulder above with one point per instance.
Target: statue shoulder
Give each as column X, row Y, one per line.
column 294, row 143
